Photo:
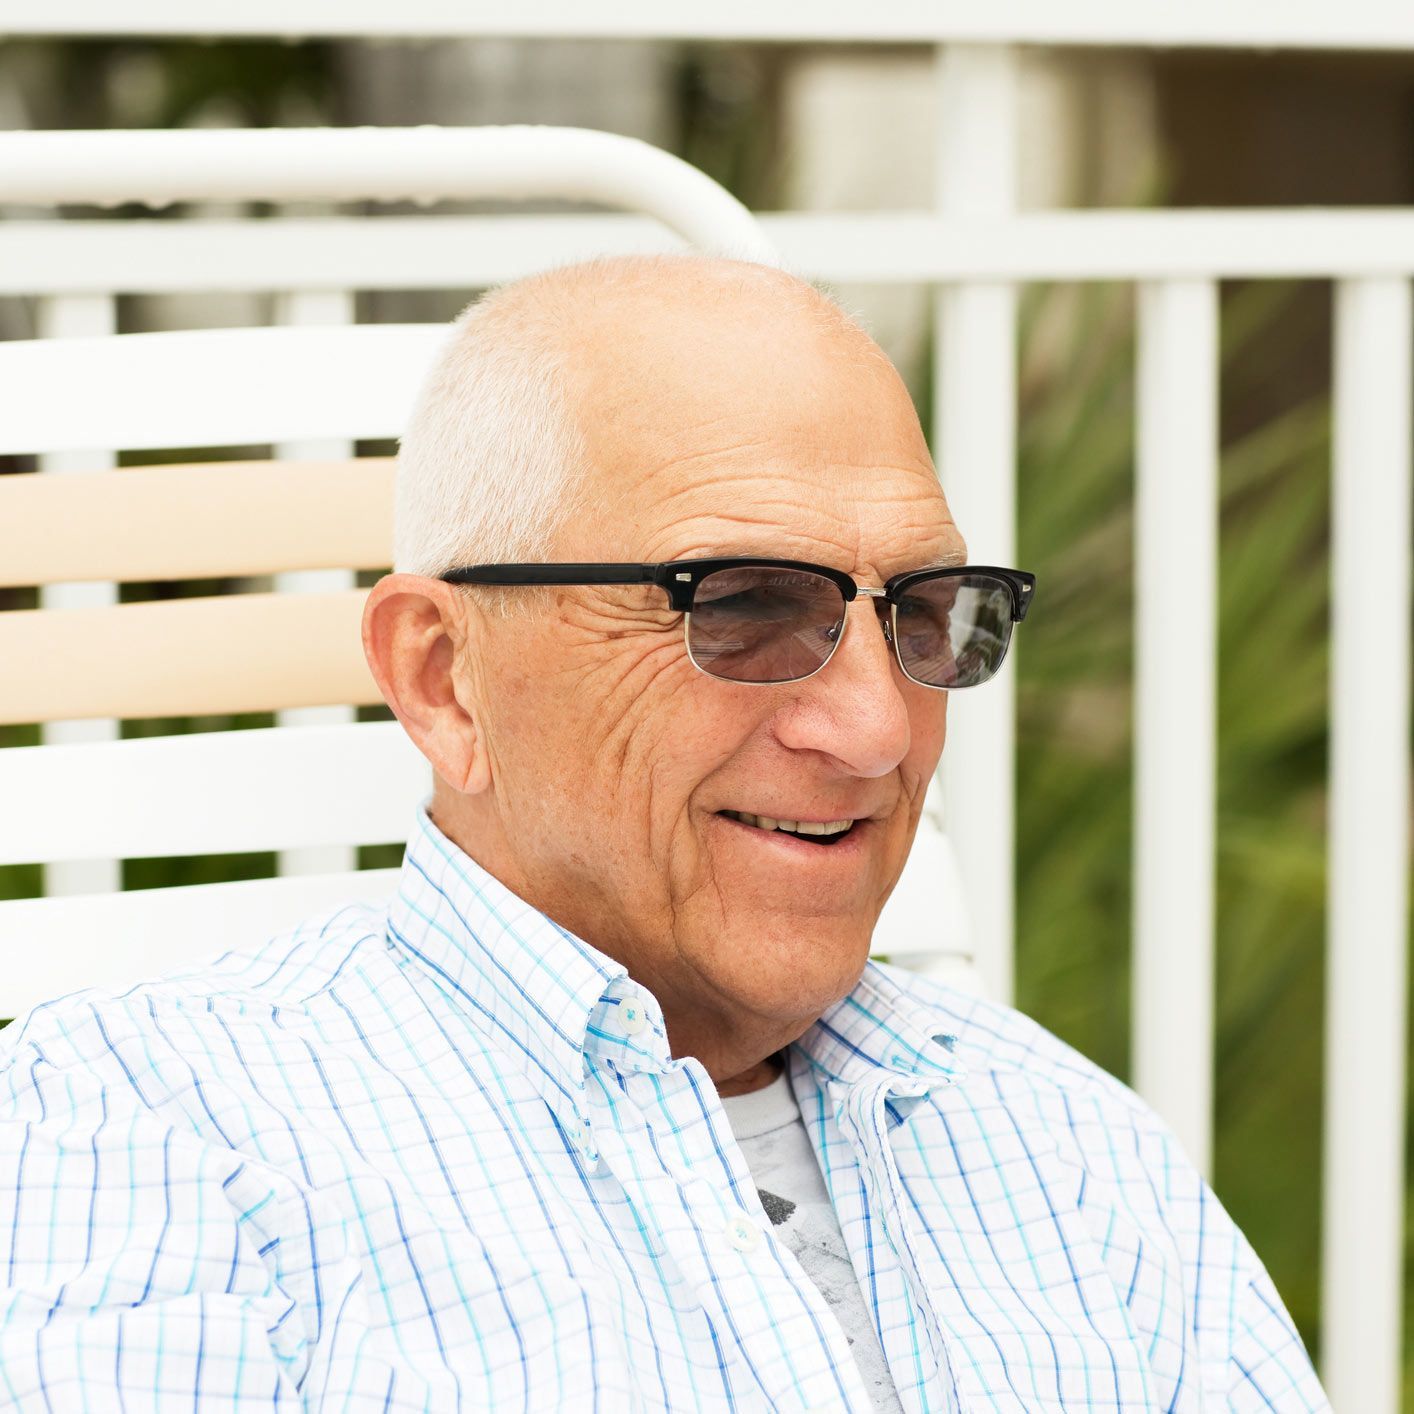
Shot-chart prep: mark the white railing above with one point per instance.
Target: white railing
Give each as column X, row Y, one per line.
column 1307, row 24
column 974, row 250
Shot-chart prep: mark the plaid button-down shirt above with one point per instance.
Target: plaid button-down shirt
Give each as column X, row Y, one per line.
column 438, row 1156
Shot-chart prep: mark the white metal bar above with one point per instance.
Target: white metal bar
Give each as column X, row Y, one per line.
column 1176, row 535
column 294, row 383
column 975, row 449
column 50, row 947
column 386, row 164
column 1363, row 1208
column 68, row 317
column 317, row 307
column 891, row 247
column 1372, row 24
column 210, row 793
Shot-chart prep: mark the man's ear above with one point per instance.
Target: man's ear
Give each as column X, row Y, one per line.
column 412, row 630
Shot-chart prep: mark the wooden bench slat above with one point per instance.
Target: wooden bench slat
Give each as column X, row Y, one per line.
column 196, row 521
column 184, row 657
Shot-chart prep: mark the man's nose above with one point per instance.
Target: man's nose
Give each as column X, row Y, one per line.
column 853, row 709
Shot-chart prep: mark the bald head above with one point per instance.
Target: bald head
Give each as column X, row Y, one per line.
column 547, row 388
column 600, row 293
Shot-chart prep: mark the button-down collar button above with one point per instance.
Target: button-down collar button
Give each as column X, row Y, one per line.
column 632, row 1018
column 742, row 1233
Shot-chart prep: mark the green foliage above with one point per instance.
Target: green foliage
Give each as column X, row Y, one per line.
column 169, row 83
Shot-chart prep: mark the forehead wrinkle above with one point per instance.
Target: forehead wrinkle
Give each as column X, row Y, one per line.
column 935, row 548
column 825, row 528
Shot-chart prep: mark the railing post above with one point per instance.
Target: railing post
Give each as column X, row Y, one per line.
column 1367, row 897
column 1175, row 706
column 974, row 446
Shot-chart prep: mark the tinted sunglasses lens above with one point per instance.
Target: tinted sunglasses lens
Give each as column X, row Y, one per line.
column 953, row 632
column 759, row 624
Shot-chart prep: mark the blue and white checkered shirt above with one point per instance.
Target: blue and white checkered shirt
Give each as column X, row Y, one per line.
column 437, row 1156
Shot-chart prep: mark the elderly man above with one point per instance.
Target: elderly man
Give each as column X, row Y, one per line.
column 609, row 1109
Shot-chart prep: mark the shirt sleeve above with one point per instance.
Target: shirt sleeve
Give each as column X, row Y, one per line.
column 1268, row 1367
column 1252, row 1354
column 138, row 1263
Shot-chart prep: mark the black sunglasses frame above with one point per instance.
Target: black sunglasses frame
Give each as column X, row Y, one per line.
column 680, row 578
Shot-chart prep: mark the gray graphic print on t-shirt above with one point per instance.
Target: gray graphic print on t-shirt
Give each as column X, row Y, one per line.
column 772, row 1136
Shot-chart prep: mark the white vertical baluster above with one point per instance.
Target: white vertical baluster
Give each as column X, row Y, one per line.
column 68, row 317
column 1175, row 706
column 974, row 441
column 1367, row 898
column 315, row 307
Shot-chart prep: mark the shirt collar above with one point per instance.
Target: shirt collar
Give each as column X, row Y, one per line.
column 881, row 1032
column 550, row 998
column 535, row 989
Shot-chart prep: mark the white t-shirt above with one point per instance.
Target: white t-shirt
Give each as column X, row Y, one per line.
column 772, row 1136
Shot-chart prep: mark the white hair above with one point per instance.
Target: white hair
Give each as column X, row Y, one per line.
column 493, row 461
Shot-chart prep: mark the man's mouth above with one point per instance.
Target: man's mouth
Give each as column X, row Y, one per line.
column 813, row 831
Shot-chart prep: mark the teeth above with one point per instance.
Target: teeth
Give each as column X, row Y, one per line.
column 797, row 827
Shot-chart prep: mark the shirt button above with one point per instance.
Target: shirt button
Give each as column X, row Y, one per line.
column 631, row 1018
column 742, row 1233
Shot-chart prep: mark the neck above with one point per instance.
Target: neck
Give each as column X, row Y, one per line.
column 739, row 1048
column 757, row 1077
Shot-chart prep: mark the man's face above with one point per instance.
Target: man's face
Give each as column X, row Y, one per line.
column 614, row 761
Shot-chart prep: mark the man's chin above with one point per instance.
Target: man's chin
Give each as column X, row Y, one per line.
column 790, row 972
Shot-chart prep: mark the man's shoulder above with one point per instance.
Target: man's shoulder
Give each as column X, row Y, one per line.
column 994, row 1038
column 286, row 972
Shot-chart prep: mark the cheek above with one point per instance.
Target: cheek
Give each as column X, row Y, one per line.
column 931, row 723
column 928, row 725
column 623, row 733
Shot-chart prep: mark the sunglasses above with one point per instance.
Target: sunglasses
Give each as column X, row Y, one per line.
column 774, row 621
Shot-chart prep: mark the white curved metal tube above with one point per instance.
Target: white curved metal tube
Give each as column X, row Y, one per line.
column 378, row 164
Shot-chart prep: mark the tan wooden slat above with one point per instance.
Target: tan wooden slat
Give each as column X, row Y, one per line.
column 196, row 522
column 239, row 653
